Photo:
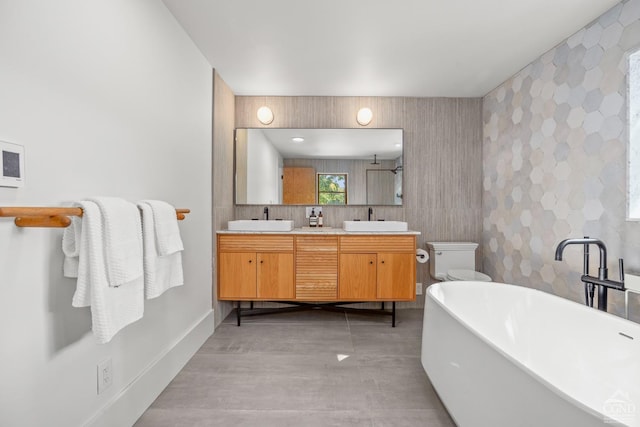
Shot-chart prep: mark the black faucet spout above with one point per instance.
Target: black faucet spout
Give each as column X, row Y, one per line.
column 265, row 213
column 585, row 241
column 602, row 281
column 369, row 213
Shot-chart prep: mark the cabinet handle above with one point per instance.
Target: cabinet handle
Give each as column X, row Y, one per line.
column 370, row 262
column 261, row 261
column 383, row 261
column 250, row 261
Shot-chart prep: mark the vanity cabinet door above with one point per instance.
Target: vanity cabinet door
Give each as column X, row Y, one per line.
column 358, row 277
column 275, row 276
column 396, row 276
column 237, row 275
column 255, row 266
column 395, row 267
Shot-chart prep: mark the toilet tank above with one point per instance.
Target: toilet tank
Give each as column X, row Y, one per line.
column 445, row 256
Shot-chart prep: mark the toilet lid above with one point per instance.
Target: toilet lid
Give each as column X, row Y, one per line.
column 468, row 275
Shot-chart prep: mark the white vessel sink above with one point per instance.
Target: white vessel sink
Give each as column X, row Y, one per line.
column 375, row 226
column 260, row 225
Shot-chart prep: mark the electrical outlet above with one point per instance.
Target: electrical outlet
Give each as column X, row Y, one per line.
column 418, row 288
column 105, row 375
column 317, row 210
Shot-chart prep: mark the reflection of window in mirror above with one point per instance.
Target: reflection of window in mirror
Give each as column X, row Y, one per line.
column 332, row 189
column 633, row 79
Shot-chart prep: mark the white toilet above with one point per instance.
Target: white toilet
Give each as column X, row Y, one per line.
column 449, row 261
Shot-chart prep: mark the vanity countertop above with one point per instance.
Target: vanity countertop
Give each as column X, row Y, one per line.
column 322, row 230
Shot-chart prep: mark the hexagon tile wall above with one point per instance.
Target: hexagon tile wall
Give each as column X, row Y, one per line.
column 554, row 160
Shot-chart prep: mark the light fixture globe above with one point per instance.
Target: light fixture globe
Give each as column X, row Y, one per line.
column 265, row 115
column 364, row 116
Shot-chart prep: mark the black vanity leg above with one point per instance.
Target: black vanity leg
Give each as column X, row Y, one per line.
column 382, row 306
column 393, row 314
column 238, row 312
column 251, row 305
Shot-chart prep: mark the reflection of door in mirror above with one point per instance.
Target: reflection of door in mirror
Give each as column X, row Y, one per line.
column 298, row 186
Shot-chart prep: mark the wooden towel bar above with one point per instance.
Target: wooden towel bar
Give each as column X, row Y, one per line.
column 51, row 217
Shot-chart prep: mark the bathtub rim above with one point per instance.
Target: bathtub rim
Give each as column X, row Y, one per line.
column 508, row 357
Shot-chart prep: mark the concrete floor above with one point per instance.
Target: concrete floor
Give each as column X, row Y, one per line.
column 284, row 370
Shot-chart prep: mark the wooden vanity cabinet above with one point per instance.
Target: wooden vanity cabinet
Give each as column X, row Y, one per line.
column 377, row 268
column 312, row 267
column 252, row 267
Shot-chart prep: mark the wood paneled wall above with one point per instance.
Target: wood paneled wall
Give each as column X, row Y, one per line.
column 442, row 192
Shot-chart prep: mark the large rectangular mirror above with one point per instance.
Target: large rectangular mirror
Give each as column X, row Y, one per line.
column 318, row 166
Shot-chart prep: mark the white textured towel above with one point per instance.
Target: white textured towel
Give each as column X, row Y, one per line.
column 168, row 240
column 122, row 239
column 71, row 247
column 161, row 272
column 112, row 308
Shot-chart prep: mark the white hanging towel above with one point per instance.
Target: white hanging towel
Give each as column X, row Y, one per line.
column 102, row 269
column 71, row 247
column 122, row 239
column 162, row 247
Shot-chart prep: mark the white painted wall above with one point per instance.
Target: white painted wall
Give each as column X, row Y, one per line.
column 264, row 164
column 108, row 97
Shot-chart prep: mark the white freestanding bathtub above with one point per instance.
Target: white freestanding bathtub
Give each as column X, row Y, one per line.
column 505, row 356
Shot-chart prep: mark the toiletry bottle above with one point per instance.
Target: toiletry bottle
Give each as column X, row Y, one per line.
column 320, row 219
column 313, row 219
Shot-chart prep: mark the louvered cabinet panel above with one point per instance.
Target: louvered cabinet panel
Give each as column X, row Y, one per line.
column 375, row 243
column 317, row 244
column 316, row 268
column 255, row 243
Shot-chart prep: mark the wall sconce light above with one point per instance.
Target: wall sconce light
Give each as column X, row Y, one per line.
column 265, row 115
column 364, row 116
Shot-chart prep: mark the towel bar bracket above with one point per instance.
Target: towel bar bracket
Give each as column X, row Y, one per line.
column 55, row 221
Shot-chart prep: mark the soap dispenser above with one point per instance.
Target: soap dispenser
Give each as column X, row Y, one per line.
column 320, row 219
column 313, row 219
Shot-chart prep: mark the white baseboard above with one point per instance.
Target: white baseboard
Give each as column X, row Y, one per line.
column 126, row 407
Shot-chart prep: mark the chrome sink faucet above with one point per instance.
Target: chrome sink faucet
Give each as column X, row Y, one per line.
column 602, row 281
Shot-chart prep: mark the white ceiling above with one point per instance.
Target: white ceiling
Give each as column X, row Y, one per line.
column 423, row 48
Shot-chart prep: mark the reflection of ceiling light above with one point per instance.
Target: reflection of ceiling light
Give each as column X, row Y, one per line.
column 398, row 144
column 364, row 116
column 265, row 115
column 297, row 139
